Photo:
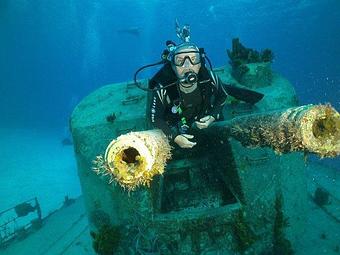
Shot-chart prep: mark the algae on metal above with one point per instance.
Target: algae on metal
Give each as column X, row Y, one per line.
column 243, row 235
column 106, row 240
column 281, row 245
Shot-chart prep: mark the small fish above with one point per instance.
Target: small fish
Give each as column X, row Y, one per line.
column 131, row 30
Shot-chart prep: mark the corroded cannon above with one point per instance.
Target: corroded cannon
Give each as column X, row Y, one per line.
column 308, row 128
column 134, row 159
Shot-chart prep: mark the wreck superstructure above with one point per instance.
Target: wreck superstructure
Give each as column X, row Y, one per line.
column 221, row 197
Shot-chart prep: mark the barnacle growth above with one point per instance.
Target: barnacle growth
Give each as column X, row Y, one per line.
column 133, row 159
column 322, row 129
column 309, row 128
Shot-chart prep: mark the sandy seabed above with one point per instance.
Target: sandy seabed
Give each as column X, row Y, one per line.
column 35, row 163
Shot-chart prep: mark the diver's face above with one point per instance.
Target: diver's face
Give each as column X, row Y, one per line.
column 186, row 60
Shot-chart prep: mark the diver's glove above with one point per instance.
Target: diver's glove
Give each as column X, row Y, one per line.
column 183, row 141
column 205, row 122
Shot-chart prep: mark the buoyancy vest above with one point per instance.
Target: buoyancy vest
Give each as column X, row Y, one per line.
column 170, row 96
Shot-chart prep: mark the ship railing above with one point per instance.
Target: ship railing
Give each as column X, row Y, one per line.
column 17, row 221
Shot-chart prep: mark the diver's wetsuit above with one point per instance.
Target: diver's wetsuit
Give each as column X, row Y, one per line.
column 207, row 99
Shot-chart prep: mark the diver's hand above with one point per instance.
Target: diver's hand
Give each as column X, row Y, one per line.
column 205, row 122
column 183, row 141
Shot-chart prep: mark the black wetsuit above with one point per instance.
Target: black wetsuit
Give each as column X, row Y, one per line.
column 207, row 99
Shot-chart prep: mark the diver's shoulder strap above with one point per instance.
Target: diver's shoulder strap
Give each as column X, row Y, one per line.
column 218, row 83
column 215, row 81
column 163, row 95
column 213, row 77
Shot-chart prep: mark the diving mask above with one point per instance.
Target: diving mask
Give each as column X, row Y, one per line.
column 193, row 56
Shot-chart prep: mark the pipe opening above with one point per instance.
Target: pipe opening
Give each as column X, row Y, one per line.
column 326, row 127
column 130, row 155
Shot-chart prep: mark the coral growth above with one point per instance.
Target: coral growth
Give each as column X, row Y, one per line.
column 99, row 218
column 111, row 117
column 267, row 55
column 323, row 236
column 240, row 55
column 321, row 196
column 106, row 240
column 281, row 245
column 243, row 235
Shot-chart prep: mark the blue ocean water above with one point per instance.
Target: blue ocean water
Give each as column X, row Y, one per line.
column 54, row 53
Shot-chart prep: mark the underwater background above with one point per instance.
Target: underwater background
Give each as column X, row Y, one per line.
column 54, row 53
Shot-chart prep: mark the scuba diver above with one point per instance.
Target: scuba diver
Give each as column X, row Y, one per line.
column 186, row 94
column 196, row 99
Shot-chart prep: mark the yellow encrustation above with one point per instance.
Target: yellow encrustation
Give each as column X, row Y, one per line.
column 133, row 159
